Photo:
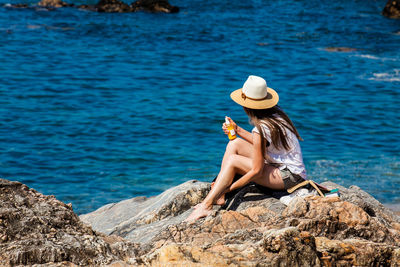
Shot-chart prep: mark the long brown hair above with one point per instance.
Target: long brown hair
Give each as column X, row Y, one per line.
column 276, row 120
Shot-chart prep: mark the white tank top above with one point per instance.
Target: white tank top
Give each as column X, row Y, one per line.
column 291, row 159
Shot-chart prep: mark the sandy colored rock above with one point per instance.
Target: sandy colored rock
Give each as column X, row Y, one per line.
column 252, row 229
column 346, row 233
column 38, row 229
column 355, row 252
column 52, row 3
column 141, row 218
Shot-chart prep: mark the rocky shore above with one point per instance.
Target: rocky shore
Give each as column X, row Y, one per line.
column 391, row 9
column 108, row 6
column 253, row 229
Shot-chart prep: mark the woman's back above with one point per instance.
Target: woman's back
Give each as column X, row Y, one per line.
column 291, row 158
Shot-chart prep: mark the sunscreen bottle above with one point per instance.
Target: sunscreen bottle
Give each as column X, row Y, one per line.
column 231, row 131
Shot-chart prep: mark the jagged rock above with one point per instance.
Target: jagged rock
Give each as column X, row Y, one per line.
column 368, row 203
column 141, row 218
column 53, row 3
column 337, row 219
column 252, row 229
column 283, row 247
column 392, row 9
column 38, row 229
column 355, row 252
column 113, row 6
column 121, row 7
column 109, row 6
column 255, row 229
column 154, row 6
column 88, row 7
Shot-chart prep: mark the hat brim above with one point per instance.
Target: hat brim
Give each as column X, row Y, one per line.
column 271, row 100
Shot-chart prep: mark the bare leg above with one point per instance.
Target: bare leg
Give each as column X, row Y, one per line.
column 235, row 147
column 237, row 159
column 234, row 164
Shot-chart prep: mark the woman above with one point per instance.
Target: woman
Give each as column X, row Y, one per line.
column 270, row 155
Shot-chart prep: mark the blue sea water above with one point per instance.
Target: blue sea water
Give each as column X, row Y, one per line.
column 96, row 108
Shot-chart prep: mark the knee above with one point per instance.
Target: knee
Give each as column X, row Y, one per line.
column 233, row 145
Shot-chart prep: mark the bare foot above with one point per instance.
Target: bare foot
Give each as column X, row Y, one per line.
column 197, row 205
column 220, row 201
column 200, row 212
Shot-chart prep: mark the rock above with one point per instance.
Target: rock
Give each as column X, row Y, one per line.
column 354, row 252
column 337, row 219
column 369, row 204
column 252, row 229
column 53, row 3
column 88, row 7
column 141, row 218
column 109, row 6
column 286, row 246
column 154, row 6
column 141, row 5
column 340, row 49
column 38, row 229
column 113, row 6
column 392, row 9
column 255, row 229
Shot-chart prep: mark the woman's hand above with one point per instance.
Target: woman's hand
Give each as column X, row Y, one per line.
column 225, row 127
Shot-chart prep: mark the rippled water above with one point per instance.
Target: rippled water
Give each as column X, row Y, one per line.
column 96, row 108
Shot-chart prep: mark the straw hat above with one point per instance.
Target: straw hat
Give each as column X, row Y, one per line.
column 255, row 94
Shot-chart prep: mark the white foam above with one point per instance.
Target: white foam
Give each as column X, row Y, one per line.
column 368, row 56
column 393, row 76
column 377, row 58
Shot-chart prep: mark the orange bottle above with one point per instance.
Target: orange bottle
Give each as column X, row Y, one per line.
column 231, row 131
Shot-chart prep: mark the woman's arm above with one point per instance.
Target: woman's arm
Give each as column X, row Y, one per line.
column 244, row 134
column 257, row 165
column 239, row 131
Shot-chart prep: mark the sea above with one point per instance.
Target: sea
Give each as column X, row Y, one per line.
column 96, row 108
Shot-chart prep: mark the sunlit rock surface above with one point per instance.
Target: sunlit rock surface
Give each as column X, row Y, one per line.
column 253, row 229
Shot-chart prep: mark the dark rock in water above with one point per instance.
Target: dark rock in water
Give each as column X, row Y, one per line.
column 109, row 6
column 114, row 6
column 392, row 9
column 154, row 6
column 87, row 7
column 38, row 229
column 118, row 6
column 340, row 49
column 47, row 4
column 53, row 4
